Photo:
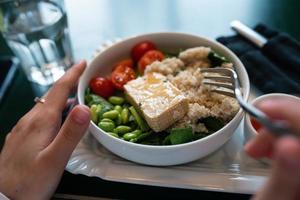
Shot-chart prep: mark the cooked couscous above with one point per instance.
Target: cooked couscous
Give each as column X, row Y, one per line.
column 184, row 73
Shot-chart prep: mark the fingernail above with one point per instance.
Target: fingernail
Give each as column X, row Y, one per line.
column 81, row 115
column 81, row 62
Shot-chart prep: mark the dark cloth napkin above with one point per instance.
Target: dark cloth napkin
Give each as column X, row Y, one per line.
column 273, row 68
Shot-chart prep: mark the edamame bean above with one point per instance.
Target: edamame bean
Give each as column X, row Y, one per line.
column 95, row 110
column 113, row 134
column 119, row 120
column 118, row 108
column 125, row 115
column 106, row 126
column 116, row 100
column 107, row 120
column 113, row 114
column 132, row 135
column 134, row 140
column 122, row 129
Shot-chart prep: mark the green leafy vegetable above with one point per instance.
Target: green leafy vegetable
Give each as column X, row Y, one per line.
column 181, row 135
column 92, row 99
column 212, row 123
column 216, row 59
column 200, row 135
column 169, row 54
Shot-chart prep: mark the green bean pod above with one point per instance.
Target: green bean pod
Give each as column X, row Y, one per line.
column 139, row 120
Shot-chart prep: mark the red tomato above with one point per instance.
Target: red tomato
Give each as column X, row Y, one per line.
column 140, row 49
column 121, row 75
column 126, row 62
column 255, row 124
column 102, row 86
column 149, row 58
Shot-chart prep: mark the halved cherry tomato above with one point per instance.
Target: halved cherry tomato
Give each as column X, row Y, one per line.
column 140, row 49
column 102, row 86
column 149, row 58
column 121, row 75
column 126, row 62
column 255, row 124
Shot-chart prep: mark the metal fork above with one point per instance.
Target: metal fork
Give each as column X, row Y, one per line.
column 227, row 78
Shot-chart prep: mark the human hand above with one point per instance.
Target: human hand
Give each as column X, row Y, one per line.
column 38, row 148
column 284, row 181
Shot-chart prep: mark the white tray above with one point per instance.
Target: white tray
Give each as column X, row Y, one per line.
column 228, row 169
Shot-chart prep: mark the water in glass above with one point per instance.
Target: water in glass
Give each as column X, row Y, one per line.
column 37, row 33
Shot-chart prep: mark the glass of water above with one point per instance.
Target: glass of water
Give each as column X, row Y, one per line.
column 37, row 33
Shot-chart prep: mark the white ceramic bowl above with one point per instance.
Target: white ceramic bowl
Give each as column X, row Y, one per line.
column 249, row 131
column 162, row 155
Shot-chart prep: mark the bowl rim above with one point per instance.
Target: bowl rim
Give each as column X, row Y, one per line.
column 246, row 89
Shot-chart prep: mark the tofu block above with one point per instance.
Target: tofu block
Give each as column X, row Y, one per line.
column 159, row 101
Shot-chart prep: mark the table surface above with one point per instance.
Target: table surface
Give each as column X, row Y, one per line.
column 95, row 21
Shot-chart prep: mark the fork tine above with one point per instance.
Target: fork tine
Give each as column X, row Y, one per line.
column 224, row 71
column 219, row 84
column 226, row 93
column 225, row 79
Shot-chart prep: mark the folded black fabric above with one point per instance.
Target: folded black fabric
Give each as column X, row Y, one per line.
column 273, row 68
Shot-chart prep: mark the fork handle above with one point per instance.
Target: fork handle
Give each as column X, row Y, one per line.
column 248, row 33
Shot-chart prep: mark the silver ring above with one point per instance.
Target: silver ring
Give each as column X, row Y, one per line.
column 39, row 100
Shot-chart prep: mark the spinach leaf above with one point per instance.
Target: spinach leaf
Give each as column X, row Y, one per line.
column 216, row 59
column 181, row 135
column 212, row 123
column 199, row 135
column 167, row 140
column 92, row 99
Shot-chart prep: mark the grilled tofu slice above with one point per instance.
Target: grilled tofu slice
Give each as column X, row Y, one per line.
column 159, row 101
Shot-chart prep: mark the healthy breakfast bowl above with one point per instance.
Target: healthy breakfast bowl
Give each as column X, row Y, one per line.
column 158, row 112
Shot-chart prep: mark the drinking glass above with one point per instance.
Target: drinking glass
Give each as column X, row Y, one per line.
column 37, row 33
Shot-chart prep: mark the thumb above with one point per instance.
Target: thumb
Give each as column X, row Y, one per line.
column 284, row 182
column 70, row 134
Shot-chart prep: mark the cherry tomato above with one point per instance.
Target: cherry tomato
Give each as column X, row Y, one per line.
column 126, row 62
column 121, row 75
column 140, row 49
column 102, row 86
column 255, row 124
column 149, row 58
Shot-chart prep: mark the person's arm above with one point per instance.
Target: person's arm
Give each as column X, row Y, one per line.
column 38, row 148
column 284, row 181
